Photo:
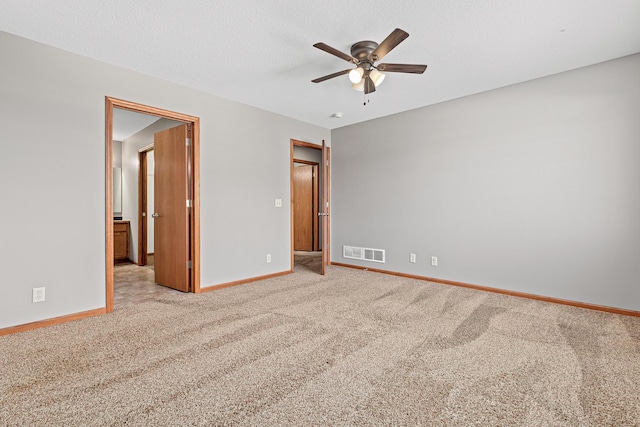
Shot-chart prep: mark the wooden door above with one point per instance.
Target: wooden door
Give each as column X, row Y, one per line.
column 303, row 207
column 171, row 216
column 326, row 206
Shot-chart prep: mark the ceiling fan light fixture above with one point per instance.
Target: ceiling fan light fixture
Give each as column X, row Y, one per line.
column 364, row 55
column 359, row 86
column 356, row 74
column 376, row 76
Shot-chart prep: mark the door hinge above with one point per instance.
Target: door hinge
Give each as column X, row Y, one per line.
column 188, row 142
column 189, row 264
column 189, row 203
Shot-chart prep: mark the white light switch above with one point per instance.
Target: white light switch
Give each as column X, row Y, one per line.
column 278, row 203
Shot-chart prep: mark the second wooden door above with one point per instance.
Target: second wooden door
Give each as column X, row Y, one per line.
column 305, row 188
column 171, row 216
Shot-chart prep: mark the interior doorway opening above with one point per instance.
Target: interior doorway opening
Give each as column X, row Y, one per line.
column 306, row 198
column 309, row 205
column 145, row 205
column 189, row 131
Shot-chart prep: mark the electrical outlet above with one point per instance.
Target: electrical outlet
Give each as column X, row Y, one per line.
column 434, row 261
column 412, row 258
column 278, row 203
column 38, row 294
column 268, row 258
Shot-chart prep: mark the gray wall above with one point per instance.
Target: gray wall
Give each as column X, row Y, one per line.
column 130, row 175
column 117, row 172
column 309, row 154
column 532, row 188
column 117, row 154
column 53, row 180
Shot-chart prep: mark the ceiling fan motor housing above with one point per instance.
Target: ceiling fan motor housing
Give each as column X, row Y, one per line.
column 361, row 51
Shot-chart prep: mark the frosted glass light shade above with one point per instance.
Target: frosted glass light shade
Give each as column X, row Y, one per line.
column 355, row 75
column 376, row 76
column 359, row 86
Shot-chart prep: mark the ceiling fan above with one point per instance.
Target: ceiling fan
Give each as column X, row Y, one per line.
column 364, row 54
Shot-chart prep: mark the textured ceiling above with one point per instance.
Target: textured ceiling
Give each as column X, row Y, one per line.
column 260, row 53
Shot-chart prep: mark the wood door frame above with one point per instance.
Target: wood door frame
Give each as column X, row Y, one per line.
column 326, row 208
column 110, row 104
column 296, row 143
column 316, row 199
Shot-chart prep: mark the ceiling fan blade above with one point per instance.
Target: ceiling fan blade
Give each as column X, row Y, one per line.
column 369, row 86
column 402, row 68
column 392, row 40
column 330, row 76
column 335, row 52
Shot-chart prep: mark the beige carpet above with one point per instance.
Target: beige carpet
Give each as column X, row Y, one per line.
column 308, row 262
column 352, row 348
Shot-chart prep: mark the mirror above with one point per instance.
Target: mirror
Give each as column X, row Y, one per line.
column 117, row 191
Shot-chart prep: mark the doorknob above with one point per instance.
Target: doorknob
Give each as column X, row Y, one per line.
column 155, row 215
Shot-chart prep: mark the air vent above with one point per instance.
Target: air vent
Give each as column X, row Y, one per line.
column 375, row 255
column 351, row 252
column 366, row 254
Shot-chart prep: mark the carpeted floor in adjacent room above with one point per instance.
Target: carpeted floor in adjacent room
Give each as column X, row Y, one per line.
column 351, row 348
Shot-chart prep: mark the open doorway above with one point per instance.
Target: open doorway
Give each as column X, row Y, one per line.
column 309, row 206
column 179, row 145
column 146, row 188
column 306, row 198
